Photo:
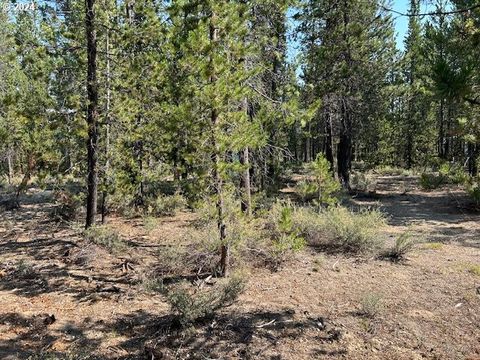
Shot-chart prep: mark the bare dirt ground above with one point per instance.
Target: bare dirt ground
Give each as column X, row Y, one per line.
column 310, row 309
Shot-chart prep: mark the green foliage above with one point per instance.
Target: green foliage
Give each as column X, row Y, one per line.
column 387, row 170
column 166, row 205
column 191, row 304
column 474, row 269
column 472, row 187
column 68, row 205
column 371, row 304
column 320, row 185
column 338, row 228
column 24, row 269
column 362, row 181
column 432, row 181
column 433, row 246
column 106, row 237
column 284, row 235
column 453, row 173
column 402, row 246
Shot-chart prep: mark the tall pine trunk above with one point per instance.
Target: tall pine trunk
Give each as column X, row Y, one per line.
column 344, row 150
column 245, row 182
column 92, row 113
column 107, row 130
column 217, row 158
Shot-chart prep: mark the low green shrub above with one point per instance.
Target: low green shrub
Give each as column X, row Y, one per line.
column 24, row 270
column 191, row 304
column 122, row 203
column 453, row 173
column 402, row 246
column 472, row 186
column 341, row 229
column 150, row 223
column 68, row 205
column 371, row 305
column 388, row 170
column 284, row 235
column 320, row 186
column 166, row 205
column 363, row 182
column 432, row 181
column 106, row 237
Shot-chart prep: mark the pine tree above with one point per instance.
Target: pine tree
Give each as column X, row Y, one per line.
column 348, row 47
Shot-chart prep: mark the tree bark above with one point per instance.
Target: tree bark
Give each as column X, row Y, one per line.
column 441, row 130
column 329, row 141
column 472, row 159
column 245, row 182
column 344, row 149
column 107, row 130
column 92, row 113
column 10, row 166
column 216, row 157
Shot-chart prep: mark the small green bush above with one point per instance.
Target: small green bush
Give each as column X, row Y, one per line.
column 342, row 229
column 392, row 171
column 320, row 186
column 453, row 173
column 166, row 205
column 284, row 235
column 363, row 182
column 105, row 237
column 150, row 223
column 68, row 205
column 241, row 229
column 472, row 187
column 432, row 181
column 24, row 269
column 123, row 203
column 402, row 246
column 191, row 304
column 371, row 305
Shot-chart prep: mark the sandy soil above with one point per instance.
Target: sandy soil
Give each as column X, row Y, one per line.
column 429, row 306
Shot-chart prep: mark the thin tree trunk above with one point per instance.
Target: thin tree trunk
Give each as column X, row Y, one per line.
column 245, row 182
column 10, row 167
column 107, row 130
column 344, row 154
column 472, row 159
column 26, row 177
column 329, row 141
column 217, row 177
column 441, row 131
column 92, row 113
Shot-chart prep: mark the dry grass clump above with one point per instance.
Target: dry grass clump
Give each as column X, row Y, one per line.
column 339, row 228
column 106, row 237
column 371, row 305
column 402, row 246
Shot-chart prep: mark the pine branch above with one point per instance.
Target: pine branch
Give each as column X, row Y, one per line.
column 433, row 13
column 472, row 101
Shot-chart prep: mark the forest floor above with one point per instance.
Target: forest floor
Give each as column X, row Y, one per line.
column 428, row 306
